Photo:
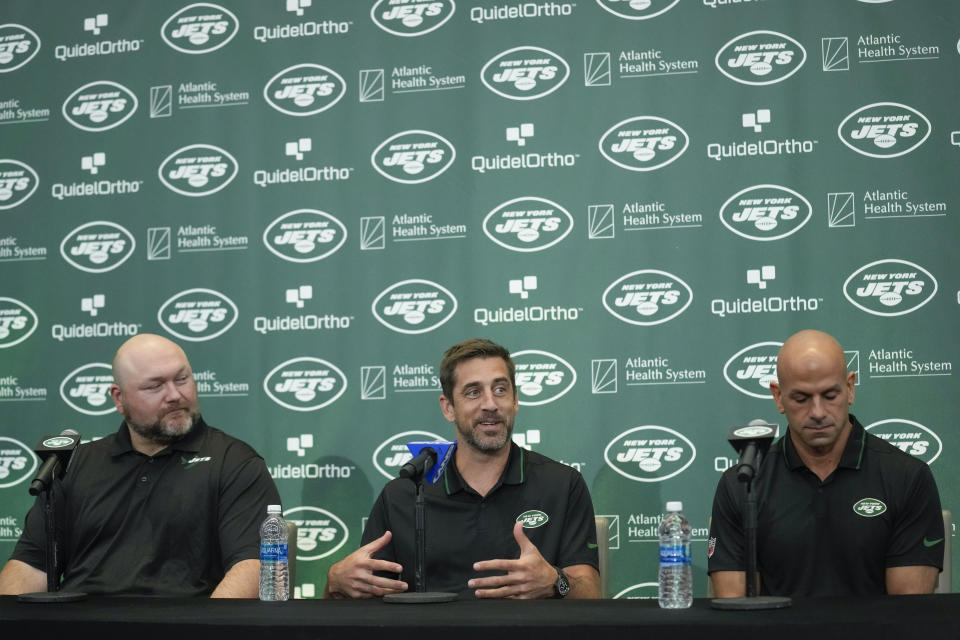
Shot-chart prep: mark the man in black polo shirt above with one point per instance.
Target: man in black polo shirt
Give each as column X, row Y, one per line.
column 167, row 506
column 840, row 511
column 502, row 522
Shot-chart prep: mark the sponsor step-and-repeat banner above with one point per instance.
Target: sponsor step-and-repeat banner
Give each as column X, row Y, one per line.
column 640, row 199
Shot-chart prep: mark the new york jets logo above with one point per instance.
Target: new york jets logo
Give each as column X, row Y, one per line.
column 765, row 212
column 414, row 306
column 58, row 442
column 528, row 224
column 87, row 389
column 97, row 247
column 533, row 518
column 17, row 462
column 760, row 58
column 752, row 369
column 647, row 297
column 869, row 507
column 198, row 315
column 890, row 287
column 304, row 89
column 99, row 106
column 18, row 45
column 884, row 130
column 393, row 452
column 320, row 533
column 637, row 9
column 305, row 384
column 304, row 235
column 17, row 322
column 542, row 377
column 198, row 170
column 649, row 453
column 410, row 18
column 525, row 73
column 17, row 183
column 413, row 157
column 201, row 27
column 643, row 143
column 910, row 437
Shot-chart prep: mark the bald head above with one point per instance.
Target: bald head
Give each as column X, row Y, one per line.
column 810, row 349
column 137, row 354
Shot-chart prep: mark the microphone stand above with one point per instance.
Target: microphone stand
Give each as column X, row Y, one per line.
column 51, row 553
column 750, row 461
column 420, row 595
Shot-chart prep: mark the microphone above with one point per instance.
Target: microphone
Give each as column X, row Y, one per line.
column 429, row 460
column 55, row 451
column 752, row 443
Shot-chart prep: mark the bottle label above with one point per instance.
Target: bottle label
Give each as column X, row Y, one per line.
column 273, row 552
column 672, row 556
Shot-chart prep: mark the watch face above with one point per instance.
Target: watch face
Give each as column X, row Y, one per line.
column 563, row 585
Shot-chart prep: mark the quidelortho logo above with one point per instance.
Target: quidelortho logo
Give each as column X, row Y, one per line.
column 87, row 389
column 637, row 9
column 542, row 377
column 528, row 224
column 17, row 462
column 393, row 452
column 304, row 235
column 753, row 368
column 18, row 45
column 100, row 105
column 760, row 58
column 199, row 28
column 97, row 247
column 304, row 89
column 890, row 287
column 305, row 384
column 884, row 130
column 319, row 532
column 410, row 18
column 414, row 306
column 647, row 297
column 197, row 315
column 643, row 143
column 197, row 170
column 17, row 322
column 412, row 157
column 910, row 437
column 649, row 453
column 525, row 73
column 765, row 212
column 17, row 183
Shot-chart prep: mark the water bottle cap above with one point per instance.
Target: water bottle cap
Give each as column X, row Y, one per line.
column 274, row 508
column 674, row 505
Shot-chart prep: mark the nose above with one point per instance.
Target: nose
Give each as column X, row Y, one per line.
column 817, row 408
column 487, row 400
column 171, row 392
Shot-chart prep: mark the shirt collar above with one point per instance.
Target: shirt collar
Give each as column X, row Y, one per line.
column 189, row 444
column 851, row 458
column 513, row 473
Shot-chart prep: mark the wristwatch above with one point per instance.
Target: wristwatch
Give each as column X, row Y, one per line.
column 562, row 586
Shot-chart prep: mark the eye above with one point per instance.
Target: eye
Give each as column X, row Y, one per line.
column 472, row 392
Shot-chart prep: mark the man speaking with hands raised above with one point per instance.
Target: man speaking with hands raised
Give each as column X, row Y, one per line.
column 502, row 522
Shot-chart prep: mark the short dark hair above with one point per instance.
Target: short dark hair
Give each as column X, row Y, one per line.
column 468, row 350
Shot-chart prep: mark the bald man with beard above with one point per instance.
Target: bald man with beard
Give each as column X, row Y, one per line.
column 840, row 511
column 166, row 506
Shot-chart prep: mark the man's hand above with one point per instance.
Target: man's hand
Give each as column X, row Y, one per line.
column 353, row 576
column 528, row 577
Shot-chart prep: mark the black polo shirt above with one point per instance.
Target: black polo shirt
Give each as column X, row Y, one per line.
column 170, row 525
column 880, row 508
column 463, row 527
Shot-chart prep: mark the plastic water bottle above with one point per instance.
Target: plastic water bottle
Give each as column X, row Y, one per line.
column 274, row 570
column 676, row 575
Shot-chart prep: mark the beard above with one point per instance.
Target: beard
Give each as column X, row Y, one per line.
column 165, row 432
column 473, row 436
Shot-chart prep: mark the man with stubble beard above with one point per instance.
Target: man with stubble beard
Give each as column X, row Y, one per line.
column 166, row 506
column 478, row 542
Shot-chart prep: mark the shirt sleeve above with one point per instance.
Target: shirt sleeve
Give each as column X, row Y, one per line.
column 246, row 490
column 580, row 532
column 918, row 538
column 725, row 548
column 31, row 547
